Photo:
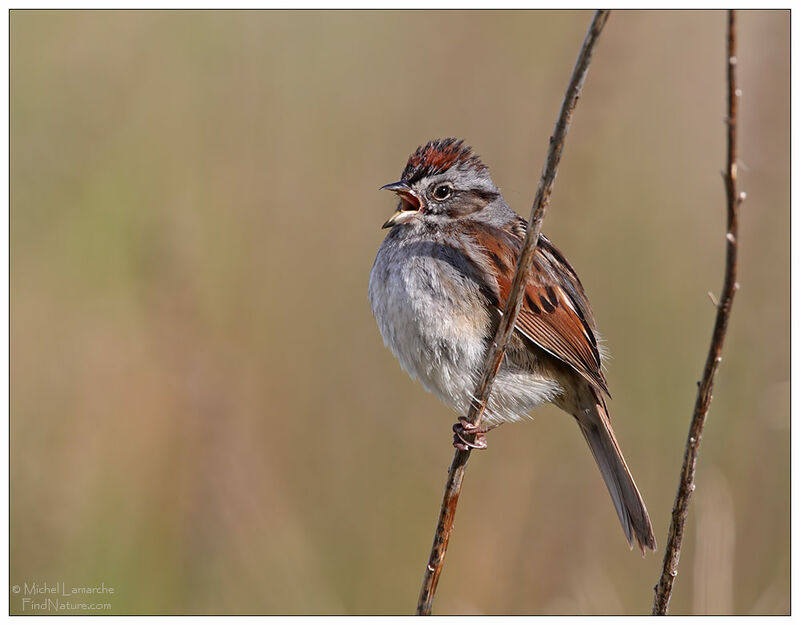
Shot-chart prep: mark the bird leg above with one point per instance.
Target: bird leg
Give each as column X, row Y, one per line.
column 465, row 428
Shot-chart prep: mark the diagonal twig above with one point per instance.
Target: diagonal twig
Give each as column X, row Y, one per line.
column 497, row 348
column 672, row 554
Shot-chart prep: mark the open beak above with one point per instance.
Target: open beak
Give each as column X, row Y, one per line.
column 409, row 203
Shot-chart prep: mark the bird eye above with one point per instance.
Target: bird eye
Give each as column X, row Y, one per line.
column 442, row 192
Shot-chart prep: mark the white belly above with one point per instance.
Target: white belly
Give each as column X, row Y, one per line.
column 439, row 338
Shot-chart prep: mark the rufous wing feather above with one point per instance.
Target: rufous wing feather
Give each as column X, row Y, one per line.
column 555, row 313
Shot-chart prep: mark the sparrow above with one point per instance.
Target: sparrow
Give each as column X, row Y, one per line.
column 437, row 289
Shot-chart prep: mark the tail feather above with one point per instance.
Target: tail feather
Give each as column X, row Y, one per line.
column 596, row 428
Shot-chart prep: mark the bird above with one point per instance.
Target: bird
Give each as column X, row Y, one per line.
column 437, row 289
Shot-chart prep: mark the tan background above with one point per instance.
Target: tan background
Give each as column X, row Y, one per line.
column 203, row 415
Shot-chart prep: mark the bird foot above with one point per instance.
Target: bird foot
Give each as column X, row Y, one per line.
column 465, row 428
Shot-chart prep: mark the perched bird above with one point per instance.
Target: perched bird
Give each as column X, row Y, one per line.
column 439, row 285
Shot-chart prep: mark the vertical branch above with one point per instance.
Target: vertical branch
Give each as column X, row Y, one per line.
column 686, row 486
column 497, row 348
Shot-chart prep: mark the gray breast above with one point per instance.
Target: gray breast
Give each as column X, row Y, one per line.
column 430, row 314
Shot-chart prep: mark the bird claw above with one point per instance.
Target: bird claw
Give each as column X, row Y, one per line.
column 465, row 428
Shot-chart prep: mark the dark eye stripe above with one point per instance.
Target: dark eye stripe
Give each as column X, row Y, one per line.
column 486, row 196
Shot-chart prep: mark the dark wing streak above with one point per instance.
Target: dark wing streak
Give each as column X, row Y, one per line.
column 567, row 346
column 554, row 318
column 574, row 291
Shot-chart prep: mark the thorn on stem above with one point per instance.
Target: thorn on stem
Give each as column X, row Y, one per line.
column 713, row 301
column 730, row 237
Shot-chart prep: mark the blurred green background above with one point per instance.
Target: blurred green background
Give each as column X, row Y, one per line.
column 203, row 414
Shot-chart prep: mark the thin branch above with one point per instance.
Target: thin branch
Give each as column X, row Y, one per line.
column 663, row 590
column 496, row 351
